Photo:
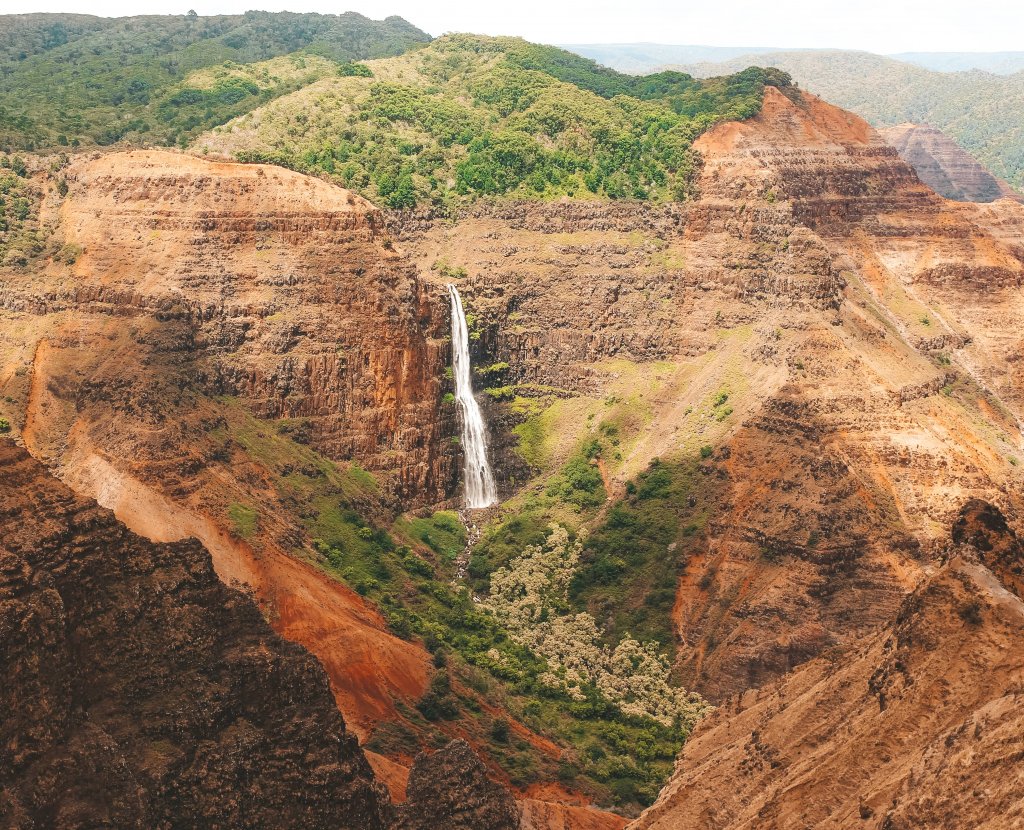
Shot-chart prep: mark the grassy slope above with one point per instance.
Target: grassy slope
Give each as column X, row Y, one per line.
column 77, row 79
column 473, row 116
column 484, row 680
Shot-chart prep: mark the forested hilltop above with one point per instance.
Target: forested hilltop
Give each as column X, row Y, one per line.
column 470, row 116
column 76, row 80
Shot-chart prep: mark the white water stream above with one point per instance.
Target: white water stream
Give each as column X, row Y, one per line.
column 479, row 480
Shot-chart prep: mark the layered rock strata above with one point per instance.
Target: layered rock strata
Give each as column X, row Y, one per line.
column 918, row 727
column 945, row 166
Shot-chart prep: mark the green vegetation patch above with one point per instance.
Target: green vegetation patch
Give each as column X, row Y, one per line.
column 21, row 238
column 473, row 116
column 443, row 533
column 473, row 650
column 244, row 519
column 632, row 561
column 580, row 483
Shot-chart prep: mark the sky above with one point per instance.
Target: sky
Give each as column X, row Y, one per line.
column 884, row 26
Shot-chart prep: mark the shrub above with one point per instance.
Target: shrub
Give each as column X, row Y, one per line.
column 580, row 483
column 438, row 703
column 350, row 69
column 500, row 731
column 5, row 425
column 970, row 612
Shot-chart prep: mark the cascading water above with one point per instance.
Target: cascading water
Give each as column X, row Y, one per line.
column 479, row 480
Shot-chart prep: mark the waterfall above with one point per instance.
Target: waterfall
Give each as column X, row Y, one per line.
column 479, row 480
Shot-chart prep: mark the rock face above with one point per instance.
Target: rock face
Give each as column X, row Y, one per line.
column 449, row 788
column 945, row 166
column 983, row 528
column 273, row 287
column 141, row 692
column 919, row 727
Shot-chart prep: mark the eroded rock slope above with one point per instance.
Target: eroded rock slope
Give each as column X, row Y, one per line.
column 918, row 727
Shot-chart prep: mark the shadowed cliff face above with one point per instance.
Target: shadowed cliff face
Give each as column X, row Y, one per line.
column 140, row 691
column 918, row 727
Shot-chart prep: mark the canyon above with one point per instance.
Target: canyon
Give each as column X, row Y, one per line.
column 835, row 299
column 823, row 350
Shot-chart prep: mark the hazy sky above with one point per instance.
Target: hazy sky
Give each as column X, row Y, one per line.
column 875, row 25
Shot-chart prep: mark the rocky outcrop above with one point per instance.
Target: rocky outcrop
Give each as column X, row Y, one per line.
column 920, row 726
column 449, row 788
column 982, row 528
column 945, row 166
column 141, row 692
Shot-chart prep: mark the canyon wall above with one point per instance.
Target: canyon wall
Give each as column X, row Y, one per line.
column 920, row 726
column 945, row 166
column 251, row 282
column 217, row 335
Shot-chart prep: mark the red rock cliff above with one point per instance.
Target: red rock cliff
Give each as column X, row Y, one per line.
column 920, row 726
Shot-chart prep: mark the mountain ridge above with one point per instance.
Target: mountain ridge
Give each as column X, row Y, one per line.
column 974, row 108
column 73, row 80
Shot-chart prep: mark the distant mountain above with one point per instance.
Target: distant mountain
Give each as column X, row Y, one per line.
column 649, row 57
column 640, row 58
column 78, row 79
column 981, row 111
column 945, row 166
column 999, row 63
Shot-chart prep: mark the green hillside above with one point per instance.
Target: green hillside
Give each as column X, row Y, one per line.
column 81, row 80
column 470, row 116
